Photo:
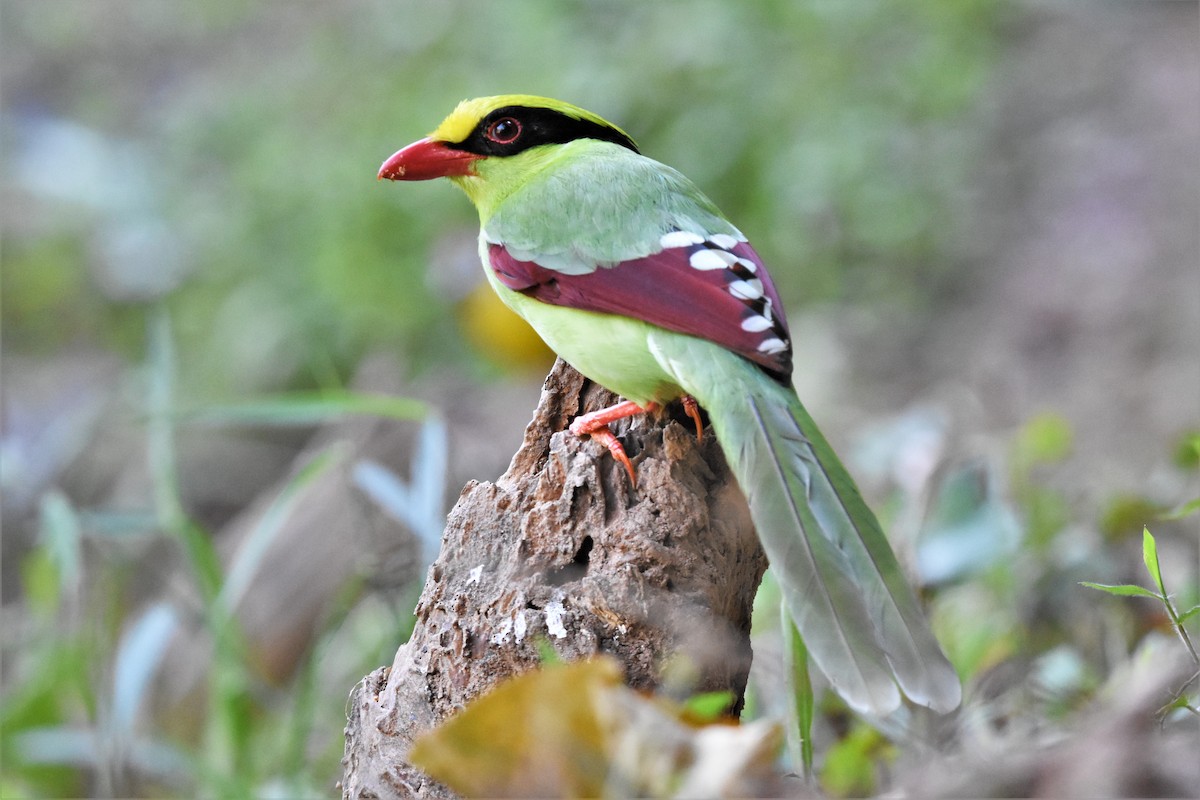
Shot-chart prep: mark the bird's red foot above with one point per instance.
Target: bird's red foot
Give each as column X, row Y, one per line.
column 693, row 410
column 595, row 424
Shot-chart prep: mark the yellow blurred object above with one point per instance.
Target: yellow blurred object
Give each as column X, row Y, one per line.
column 575, row 730
column 502, row 336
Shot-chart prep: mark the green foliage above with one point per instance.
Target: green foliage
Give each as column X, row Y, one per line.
column 1186, row 510
column 1043, row 441
column 1000, row 545
column 850, row 765
column 307, row 408
column 1187, row 452
column 1125, row 516
column 1159, row 593
column 801, row 691
column 1122, row 590
column 247, row 195
column 707, row 706
column 546, row 652
column 208, row 212
column 64, row 731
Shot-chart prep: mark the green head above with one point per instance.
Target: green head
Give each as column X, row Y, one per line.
column 491, row 145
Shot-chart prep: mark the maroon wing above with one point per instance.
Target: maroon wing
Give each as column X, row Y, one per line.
column 715, row 288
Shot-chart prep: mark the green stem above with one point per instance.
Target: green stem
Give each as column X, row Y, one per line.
column 1179, row 629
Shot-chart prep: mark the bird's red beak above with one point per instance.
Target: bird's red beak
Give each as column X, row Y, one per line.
column 425, row 160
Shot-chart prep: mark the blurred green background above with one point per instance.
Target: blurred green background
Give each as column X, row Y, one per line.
column 220, row 156
column 982, row 217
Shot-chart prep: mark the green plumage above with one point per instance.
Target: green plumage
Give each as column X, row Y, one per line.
column 584, row 205
column 840, row 580
column 558, row 217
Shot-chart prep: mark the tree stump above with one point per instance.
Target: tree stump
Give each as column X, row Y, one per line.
column 563, row 552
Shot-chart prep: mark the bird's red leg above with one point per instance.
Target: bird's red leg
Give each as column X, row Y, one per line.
column 595, row 424
column 595, row 420
column 693, row 410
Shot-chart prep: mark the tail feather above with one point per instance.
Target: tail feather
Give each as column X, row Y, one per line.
column 841, row 582
column 897, row 623
column 817, row 583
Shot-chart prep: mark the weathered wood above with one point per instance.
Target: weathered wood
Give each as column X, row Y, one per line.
column 562, row 551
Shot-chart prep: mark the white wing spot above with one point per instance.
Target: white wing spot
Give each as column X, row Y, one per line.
column 679, row 239
column 772, row 346
column 747, row 290
column 757, row 324
column 705, row 259
column 723, row 241
column 747, row 265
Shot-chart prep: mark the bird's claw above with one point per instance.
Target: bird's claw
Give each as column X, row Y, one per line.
column 693, row 410
column 610, row 440
column 595, row 424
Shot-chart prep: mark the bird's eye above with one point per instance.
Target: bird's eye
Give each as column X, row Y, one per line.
column 504, row 131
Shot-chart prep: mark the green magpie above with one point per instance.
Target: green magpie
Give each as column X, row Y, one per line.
column 635, row 278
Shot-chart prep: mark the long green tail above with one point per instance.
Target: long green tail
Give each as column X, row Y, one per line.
column 841, row 582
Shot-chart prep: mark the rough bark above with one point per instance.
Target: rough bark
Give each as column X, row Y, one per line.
column 562, row 550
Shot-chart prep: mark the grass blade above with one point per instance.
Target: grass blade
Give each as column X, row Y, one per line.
column 1185, row 510
column 308, row 408
column 419, row 504
column 138, row 656
column 58, row 744
column 254, row 548
column 1150, row 556
column 803, row 701
column 160, row 432
column 1121, row 590
column 61, row 533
